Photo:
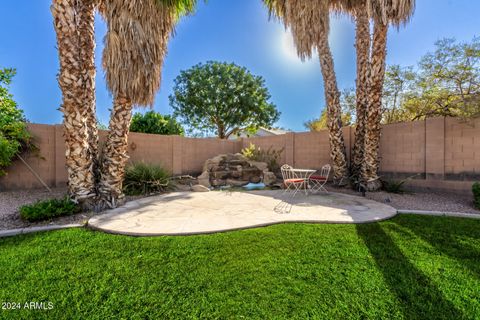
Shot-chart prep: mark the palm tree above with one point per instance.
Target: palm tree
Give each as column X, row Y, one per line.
column 135, row 47
column 309, row 22
column 74, row 26
column 358, row 9
column 383, row 13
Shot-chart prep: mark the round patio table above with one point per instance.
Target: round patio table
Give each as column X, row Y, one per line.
column 303, row 174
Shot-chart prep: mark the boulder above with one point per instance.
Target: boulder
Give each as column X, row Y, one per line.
column 262, row 166
column 236, row 183
column 218, row 182
column 204, row 179
column 269, row 178
column 255, row 179
column 182, row 187
column 231, row 170
column 200, row 188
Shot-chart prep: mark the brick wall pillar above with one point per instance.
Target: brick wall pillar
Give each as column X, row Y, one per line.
column 435, row 148
column 177, row 150
column 290, row 148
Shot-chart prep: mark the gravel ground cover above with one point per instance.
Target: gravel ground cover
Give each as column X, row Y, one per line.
column 430, row 201
column 10, row 202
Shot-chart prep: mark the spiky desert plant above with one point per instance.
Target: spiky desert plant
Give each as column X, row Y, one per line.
column 74, row 26
column 383, row 13
column 309, row 22
column 146, row 179
column 135, row 47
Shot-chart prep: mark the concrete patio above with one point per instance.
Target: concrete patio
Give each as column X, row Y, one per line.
column 185, row 213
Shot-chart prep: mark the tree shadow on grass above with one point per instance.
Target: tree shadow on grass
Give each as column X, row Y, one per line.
column 448, row 241
column 418, row 297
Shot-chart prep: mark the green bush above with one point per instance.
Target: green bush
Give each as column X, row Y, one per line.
column 476, row 194
column 270, row 156
column 47, row 209
column 145, row 179
column 14, row 137
column 155, row 123
column 393, row 186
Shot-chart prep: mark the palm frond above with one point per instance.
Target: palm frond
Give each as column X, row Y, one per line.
column 135, row 46
column 395, row 12
column 308, row 20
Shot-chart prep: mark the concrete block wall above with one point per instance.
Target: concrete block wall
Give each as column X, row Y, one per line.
column 18, row 176
column 402, row 148
column 276, row 142
column 462, row 149
column 443, row 153
column 194, row 152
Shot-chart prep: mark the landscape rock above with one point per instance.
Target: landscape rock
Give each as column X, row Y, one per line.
column 204, row 179
column 182, row 187
column 262, row 166
column 200, row 188
column 231, row 170
column 218, row 182
column 269, row 178
column 236, row 183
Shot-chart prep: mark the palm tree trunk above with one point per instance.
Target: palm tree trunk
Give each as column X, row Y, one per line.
column 74, row 26
column 374, row 114
column 114, row 155
column 362, row 44
column 87, row 29
column 334, row 123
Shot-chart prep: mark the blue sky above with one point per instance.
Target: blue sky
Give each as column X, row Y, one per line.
column 226, row 30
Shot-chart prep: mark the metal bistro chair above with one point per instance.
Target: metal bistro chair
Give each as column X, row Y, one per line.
column 317, row 182
column 291, row 181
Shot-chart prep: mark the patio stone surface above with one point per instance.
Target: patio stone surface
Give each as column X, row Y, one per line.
column 184, row 213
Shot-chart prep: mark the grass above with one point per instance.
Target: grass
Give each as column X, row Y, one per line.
column 409, row 267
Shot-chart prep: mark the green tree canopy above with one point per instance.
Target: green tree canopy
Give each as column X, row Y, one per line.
column 446, row 82
column 155, row 123
column 222, row 98
column 399, row 82
column 14, row 137
column 348, row 103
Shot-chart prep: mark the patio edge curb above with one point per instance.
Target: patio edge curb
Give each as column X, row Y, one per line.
column 16, row 232
column 440, row 213
column 199, row 233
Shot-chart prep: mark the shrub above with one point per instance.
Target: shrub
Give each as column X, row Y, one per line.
column 394, row 186
column 14, row 137
column 270, row 156
column 145, row 179
column 155, row 123
column 47, row 209
column 476, row 194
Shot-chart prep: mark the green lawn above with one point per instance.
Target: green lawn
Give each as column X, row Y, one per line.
column 408, row 267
